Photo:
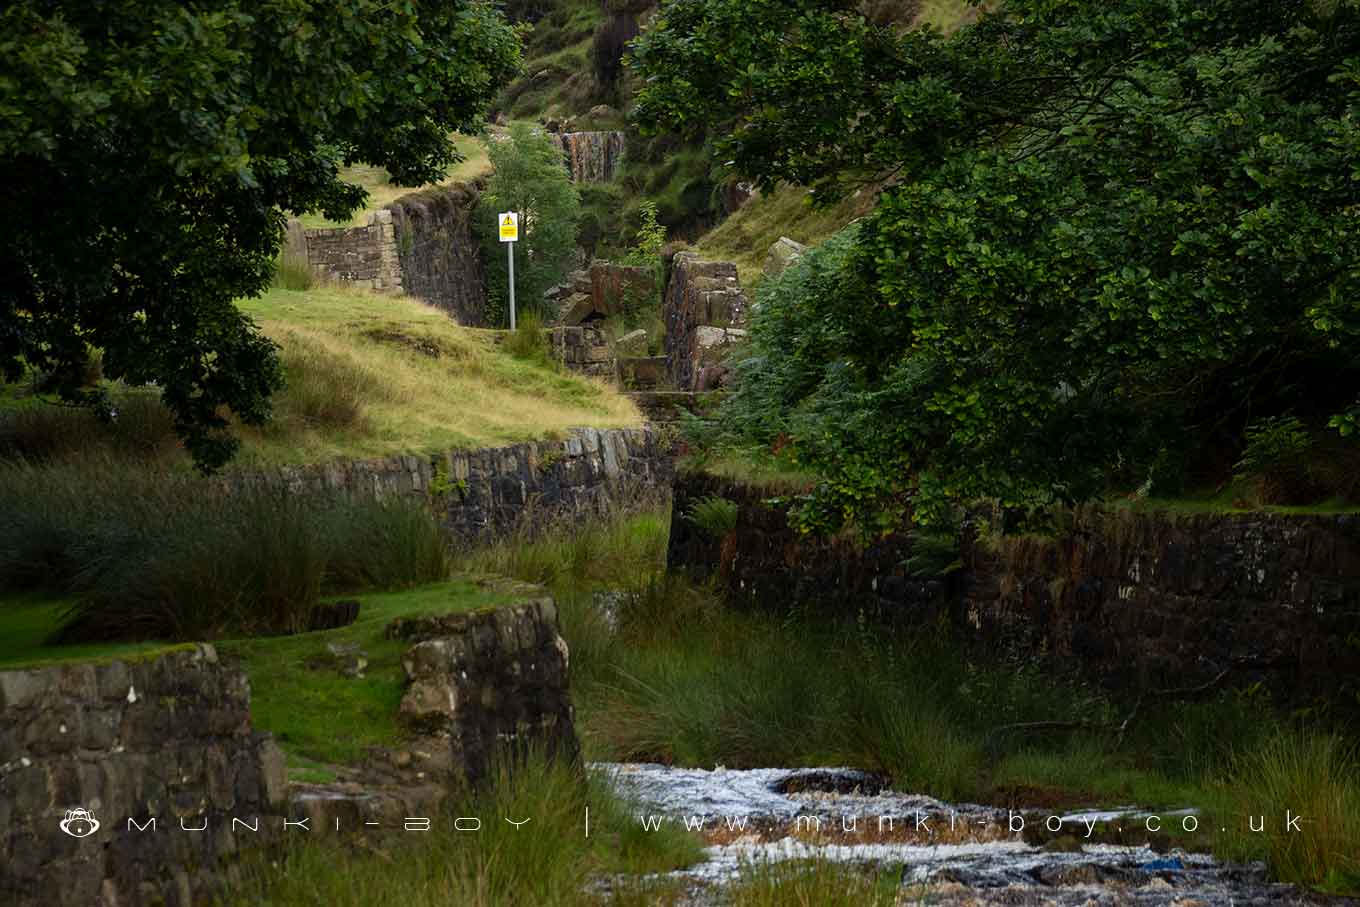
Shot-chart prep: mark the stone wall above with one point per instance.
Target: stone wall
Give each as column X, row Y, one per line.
column 582, row 349
column 166, row 738
column 488, row 494
column 364, row 256
column 1150, row 599
column 1172, row 600
column 421, row 244
column 486, row 685
column 590, row 157
column 441, row 262
column 704, row 310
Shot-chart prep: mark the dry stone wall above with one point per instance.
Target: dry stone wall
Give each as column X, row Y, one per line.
column 164, row 742
column 484, row 495
column 1146, row 599
column 488, row 685
column 364, row 256
column 440, row 260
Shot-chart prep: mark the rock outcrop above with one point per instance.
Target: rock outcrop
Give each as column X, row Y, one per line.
column 781, row 254
column 590, row 157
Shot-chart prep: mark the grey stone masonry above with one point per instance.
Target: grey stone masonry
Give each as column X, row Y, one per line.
column 163, row 743
column 705, row 311
column 365, row 256
column 488, row 685
column 485, row 495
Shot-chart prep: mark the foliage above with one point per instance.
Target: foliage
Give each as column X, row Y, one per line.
column 160, row 554
column 150, row 149
column 1277, row 447
column 715, row 515
column 1114, row 228
column 529, row 340
column 531, row 179
column 1312, row 776
column 547, row 862
column 649, row 239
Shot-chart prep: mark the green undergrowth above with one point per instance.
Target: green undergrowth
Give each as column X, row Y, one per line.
column 683, row 679
column 545, row 862
column 317, row 714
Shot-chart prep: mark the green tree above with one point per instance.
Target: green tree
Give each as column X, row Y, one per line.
column 150, row 148
column 1114, row 232
column 530, row 178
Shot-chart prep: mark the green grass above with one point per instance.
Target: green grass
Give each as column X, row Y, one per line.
column 367, row 375
column 372, row 375
column 319, row 716
column 381, row 190
column 745, row 236
column 807, row 883
column 546, row 863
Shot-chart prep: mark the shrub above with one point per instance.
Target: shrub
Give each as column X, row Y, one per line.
column 529, row 340
column 531, row 179
column 715, row 515
column 1276, row 456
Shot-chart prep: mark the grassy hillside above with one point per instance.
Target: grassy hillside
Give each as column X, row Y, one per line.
column 747, row 234
column 367, row 375
column 381, row 191
column 370, row 374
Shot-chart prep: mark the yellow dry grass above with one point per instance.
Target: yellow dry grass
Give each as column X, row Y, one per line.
column 373, row 375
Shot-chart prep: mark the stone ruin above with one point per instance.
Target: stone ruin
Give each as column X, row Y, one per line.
column 705, row 313
column 137, row 782
column 421, row 244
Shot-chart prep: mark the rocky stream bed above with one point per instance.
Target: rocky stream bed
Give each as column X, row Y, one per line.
column 948, row 854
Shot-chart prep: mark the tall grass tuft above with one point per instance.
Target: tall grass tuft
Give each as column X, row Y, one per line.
column 292, row 272
column 160, row 554
column 547, row 861
column 1310, row 775
column 529, row 340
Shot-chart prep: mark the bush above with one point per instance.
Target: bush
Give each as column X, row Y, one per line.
column 529, row 340
column 530, row 179
column 715, row 515
column 148, row 554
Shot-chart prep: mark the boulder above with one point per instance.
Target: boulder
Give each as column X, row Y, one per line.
column 783, row 253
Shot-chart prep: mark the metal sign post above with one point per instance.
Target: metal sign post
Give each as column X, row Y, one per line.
column 509, row 232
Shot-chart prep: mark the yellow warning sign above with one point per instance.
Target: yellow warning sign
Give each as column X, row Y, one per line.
column 509, row 226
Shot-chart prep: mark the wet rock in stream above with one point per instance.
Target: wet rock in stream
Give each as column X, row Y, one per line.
column 958, row 855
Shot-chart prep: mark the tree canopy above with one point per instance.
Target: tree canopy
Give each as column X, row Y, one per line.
column 1111, row 235
column 150, row 149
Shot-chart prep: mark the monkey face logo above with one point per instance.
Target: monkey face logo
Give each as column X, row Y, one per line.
column 79, row 823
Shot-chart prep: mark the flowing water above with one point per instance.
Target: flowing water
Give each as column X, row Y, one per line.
column 948, row 854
